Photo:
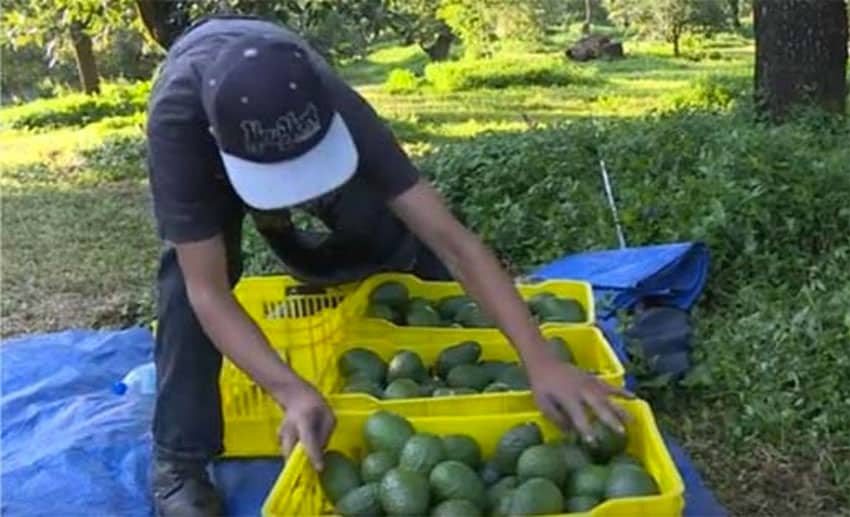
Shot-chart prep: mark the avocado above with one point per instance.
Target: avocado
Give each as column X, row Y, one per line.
column 560, row 349
column 456, row 508
column 503, row 507
column 462, row 448
column 384, row 312
column 537, row 300
column 404, row 492
column 417, row 302
column 443, row 392
column 471, row 316
column 515, row 377
column 376, row 464
column 366, row 386
column 498, row 489
column 589, row 480
column 493, row 368
column 581, row 503
column 512, row 443
column 467, row 352
column 363, row 363
column 406, row 364
column 561, row 310
column 629, row 481
column 606, row 443
column 455, row 480
column 385, row 431
column 361, row 502
column 421, row 453
column 448, row 306
column 393, row 294
column 542, row 461
column 574, row 457
column 423, row 316
column 340, row 475
column 468, row 376
column 537, row 496
column 427, row 387
column 402, row 389
column 625, row 459
column 496, row 387
column 489, row 473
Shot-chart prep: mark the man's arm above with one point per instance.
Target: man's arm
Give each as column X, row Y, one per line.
column 204, row 266
column 560, row 389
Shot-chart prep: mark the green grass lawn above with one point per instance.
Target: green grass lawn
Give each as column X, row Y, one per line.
column 79, row 248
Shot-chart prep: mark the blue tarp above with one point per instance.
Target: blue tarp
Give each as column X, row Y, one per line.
column 71, row 447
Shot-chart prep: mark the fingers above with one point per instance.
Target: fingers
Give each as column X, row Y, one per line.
column 575, row 410
column 309, row 431
column 619, row 392
column 605, row 411
column 288, row 438
column 552, row 408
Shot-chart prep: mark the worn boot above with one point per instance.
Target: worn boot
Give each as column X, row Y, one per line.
column 183, row 488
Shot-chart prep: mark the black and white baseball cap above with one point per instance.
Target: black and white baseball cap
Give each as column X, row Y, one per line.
column 280, row 138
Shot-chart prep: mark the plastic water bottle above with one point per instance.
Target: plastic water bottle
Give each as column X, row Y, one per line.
column 140, row 380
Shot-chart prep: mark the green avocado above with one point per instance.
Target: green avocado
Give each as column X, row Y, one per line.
column 384, row 312
column 625, row 459
column 561, row 310
column 468, row 376
column 363, row 501
column 386, row 431
column 536, row 301
column 503, row 507
column 376, row 464
column 542, row 461
column 512, row 444
column 450, row 305
column 581, row 503
column 340, row 475
column 471, row 316
column 500, row 488
column 574, row 457
column 363, row 363
column 590, row 480
column 493, row 368
column 463, row 448
column 421, row 453
column 456, row 508
column 404, row 492
column 364, row 386
column 455, row 480
column 560, row 349
column 423, row 316
column 489, row 473
column 627, row 480
column 496, row 387
column 537, row 496
column 467, row 352
column 515, row 377
column 406, row 364
column 402, row 389
column 393, row 294
column 606, row 443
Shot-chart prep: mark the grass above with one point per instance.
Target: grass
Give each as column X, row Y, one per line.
column 79, row 247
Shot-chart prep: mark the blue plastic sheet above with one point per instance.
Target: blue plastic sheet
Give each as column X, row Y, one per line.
column 71, row 447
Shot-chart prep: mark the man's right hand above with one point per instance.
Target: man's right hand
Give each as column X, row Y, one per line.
column 308, row 419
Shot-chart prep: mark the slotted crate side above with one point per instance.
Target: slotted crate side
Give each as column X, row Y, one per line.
column 297, row 490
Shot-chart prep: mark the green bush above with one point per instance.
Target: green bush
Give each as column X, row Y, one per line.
column 78, row 109
column 504, row 72
column 120, row 156
column 769, row 201
column 401, row 80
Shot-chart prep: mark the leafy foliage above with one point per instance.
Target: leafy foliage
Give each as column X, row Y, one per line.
column 504, row 71
column 79, row 109
column 401, row 80
column 671, row 19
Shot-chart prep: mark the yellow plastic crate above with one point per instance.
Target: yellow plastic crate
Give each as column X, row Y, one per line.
column 589, row 347
column 302, row 325
column 297, row 490
column 355, row 305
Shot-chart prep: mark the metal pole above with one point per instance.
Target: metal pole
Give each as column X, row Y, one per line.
column 611, row 204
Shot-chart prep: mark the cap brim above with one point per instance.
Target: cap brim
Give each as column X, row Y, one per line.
column 267, row 186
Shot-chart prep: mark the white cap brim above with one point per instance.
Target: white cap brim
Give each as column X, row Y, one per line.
column 268, row 186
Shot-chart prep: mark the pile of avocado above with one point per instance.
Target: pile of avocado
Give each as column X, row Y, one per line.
column 458, row 371
column 405, row 472
column 391, row 301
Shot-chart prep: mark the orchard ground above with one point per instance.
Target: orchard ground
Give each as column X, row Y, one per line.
column 763, row 419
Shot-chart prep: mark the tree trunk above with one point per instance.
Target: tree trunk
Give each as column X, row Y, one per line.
column 735, row 13
column 588, row 16
column 163, row 20
column 676, row 34
column 86, row 64
column 439, row 50
column 801, row 54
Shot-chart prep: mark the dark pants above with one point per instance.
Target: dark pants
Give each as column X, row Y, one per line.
column 188, row 421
